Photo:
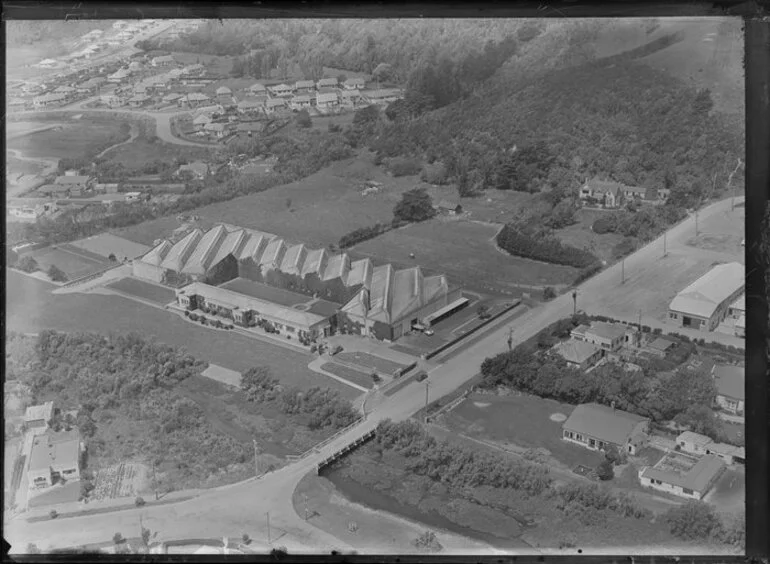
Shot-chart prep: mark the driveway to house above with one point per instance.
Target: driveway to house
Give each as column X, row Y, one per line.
column 243, row 507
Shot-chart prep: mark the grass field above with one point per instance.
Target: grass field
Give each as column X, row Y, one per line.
column 370, row 361
column 139, row 288
column 134, row 155
column 70, row 260
column 67, row 493
column 521, row 420
column 729, row 492
column 20, row 166
column 580, row 235
column 326, row 205
column 75, row 139
column 32, row 308
column 465, row 251
column 105, row 244
column 355, row 376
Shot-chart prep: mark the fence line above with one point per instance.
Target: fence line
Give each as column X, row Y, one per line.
column 92, row 276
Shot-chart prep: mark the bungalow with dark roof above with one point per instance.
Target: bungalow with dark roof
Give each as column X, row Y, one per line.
column 327, row 83
column 607, row 336
column 354, row 84
column 608, row 193
column 327, row 100
column 578, row 354
column 252, row 104
column 300, row 102
column 598, row 427
column 163, row 61
column 304, row 86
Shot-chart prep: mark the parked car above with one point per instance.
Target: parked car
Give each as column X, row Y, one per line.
column 422, row 376
column 428, row 332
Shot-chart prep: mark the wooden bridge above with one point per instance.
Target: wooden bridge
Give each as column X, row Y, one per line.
column 345, row 450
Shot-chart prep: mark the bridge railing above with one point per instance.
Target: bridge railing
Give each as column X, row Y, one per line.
column 315, row 448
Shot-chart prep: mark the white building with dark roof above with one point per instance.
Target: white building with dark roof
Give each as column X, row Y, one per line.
column 598, row 427
column 703, row 304
column 683, row 475
column 730, row 382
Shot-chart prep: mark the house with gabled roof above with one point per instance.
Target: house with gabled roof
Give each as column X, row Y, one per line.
column 281, row 90
column 599, row 427
column 354, row 84
column 304, row 86
column 257, row 88
column 578, row 354
column 730, row 382
column 327, row 83
column 275, row 104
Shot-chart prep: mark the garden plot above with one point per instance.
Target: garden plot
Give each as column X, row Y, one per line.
column 120, row 480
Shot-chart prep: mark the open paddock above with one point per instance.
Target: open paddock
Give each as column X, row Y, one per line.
column 73, row 139
column 71, row 261
column 106, row 244
column 466, row 252
column 581, row 236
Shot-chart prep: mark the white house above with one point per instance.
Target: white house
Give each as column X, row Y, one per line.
column 597, row 427
column 327, row 100
column 609, row 337
column 53, row 457
column 683, row 475
column 578, row 354
column 354, row 84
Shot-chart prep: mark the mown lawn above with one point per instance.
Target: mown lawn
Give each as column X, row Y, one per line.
column 522, row 420
column 135, row 287
column 349, row 374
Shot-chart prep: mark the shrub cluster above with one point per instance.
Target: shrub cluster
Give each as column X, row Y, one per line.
column 527, row 244
column 404, row 166
column 363, row 234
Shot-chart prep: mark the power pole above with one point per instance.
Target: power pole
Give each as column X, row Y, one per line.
column 574, row 302
column 510, row 338
column 696, row 222
column 640, row 320
column 268, row 528
column 154, row 480
column 426, row 401
column 306, row 511
column 256, row 459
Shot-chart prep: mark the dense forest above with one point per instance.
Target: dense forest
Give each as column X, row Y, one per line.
column 304, row 47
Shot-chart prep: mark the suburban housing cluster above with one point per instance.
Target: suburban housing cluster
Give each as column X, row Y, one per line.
column 611, row 194
column 688, row 474
column 237, row 272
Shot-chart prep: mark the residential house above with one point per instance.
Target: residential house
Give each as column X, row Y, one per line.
column 609, row 337
column 578, row 354
column 217, row 129
column 327, row 83
column 300, row 102
column 55, row 190
column 113, row 100
column 107, row 188
column 201, row 121
column 198, row 169
column 351, row 98
column 139, row 100
column 382, row 96
column 740, row 327
column 704, row 304
column 281, row 90
column 36, row 417
column 48, row 100
column 731, row 387
column 194, row 99
column 68, row 91
column 132, row 196
column 448, row 208
column 224, row 93
column 163, row 61
column 172, row 98
column 354, row 84
column 16, row 103
column 257, row 88
column 683, row 475
column 327, row 101
column 253, row 104
column 700, row 445
column 275, row 105
column 304, row 86
column 135, row 66
column 118, row 76
column 75, row 181
column 659, row 346
column 249, row 128
column 607, row 193
column 53, row 457
column 598, row 427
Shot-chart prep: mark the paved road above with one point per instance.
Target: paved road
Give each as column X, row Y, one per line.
column 242, row 507
column 162, row 119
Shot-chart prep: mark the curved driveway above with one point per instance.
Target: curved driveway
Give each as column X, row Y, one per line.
column 242, row 507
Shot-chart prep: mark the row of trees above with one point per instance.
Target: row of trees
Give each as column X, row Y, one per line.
column 27, row 263
column 321, row 407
